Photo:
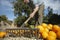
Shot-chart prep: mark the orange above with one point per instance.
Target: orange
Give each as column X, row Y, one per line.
column 46, row 30
column 44, row 34
column 50, row 26
column 44, row 25
column 55, row 28
column 58, row 34
column 51, row 33
column 51, row 38
column 41, row 29
column 2, row 34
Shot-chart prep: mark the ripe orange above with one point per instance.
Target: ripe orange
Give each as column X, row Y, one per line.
column 41, row 29
column 50, row 26
column 44, row 25
column 58, row 34
column 46, row 30
column 51, row 33
column 55, row 28
column 2, row 34
column 44, row 34
column 51, row 38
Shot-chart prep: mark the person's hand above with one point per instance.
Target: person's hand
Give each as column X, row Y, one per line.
column 26, row 1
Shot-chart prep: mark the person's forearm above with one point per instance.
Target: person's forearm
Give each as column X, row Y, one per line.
column 35, row 10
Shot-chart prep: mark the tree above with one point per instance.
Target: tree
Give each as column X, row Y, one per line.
column 3, row 18
column 50, row 12
column 19, row 20
column 19, row 7
column 54, row 19
column 48, row 16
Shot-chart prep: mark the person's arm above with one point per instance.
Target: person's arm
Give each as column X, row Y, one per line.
column 35, row 10
column 31, row 15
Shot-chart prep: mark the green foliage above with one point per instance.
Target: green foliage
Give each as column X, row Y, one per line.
column 3, row 18
column 32, row 26
column 19, row 7
column 47, row 17
column 54, row 19
column 50, row 12
column 19, row 20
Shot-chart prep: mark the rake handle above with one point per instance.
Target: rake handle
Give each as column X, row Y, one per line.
column 31, row 16
column 25, row 21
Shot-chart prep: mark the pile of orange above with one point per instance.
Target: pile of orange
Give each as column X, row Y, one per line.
column 49, row 31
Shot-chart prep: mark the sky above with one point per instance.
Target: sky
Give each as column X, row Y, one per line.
column 6, row 7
